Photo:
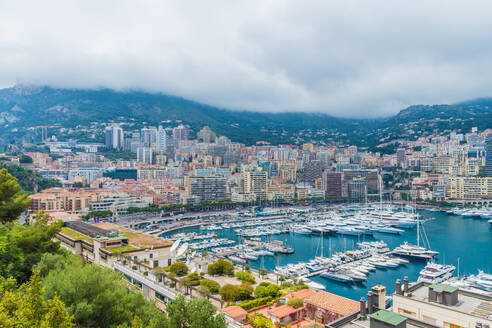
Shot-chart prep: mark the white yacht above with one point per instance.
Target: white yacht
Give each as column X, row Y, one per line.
column 436, row 273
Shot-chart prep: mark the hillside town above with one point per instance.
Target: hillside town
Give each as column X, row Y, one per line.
column 128, row 214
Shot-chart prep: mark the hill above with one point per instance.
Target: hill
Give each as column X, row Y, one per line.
column 22, row 108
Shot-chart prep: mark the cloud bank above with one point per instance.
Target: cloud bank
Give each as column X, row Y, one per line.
column 345, row 58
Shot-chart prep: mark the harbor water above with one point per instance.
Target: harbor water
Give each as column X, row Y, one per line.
column 453, row 236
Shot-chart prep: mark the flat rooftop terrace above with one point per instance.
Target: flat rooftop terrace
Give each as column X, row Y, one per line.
column 469, row 303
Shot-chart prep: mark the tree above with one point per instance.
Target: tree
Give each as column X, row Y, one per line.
column 12, row 200
column 194, row 313
column 260, row 321
column 233, row 293
column 22, row 246
column 212, row 285
column 221, row 267
column 98, row 297
column 26, row 307
column 266, row 289
column 24, row 159
column 179, row 268
column 295, row 302
column 204, row 291
column 245, row 277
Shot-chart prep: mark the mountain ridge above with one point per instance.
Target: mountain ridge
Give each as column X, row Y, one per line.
column 75, row 107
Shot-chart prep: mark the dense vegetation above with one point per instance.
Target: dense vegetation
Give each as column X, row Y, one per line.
column 72, row 108
column 30, row 180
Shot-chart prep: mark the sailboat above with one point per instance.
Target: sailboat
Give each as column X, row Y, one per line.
column 415, row 252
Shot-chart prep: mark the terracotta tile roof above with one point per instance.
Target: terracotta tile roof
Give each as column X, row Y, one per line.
column 333, row 303
column 303, row 293
column 234, row 311
column 282, row 311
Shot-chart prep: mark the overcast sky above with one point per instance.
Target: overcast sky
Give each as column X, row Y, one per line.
column 346, row 58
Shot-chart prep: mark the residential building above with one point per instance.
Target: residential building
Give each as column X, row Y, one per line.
column 208, row 188
column 114, row 137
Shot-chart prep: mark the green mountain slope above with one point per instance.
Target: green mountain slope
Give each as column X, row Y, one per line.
column 25, row 107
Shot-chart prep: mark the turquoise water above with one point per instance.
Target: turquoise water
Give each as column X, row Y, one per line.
column 453, row 236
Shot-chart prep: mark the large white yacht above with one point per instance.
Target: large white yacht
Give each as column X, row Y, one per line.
column 436, row 273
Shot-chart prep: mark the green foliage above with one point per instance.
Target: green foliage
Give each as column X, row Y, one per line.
column 295, row 302
column 178, row 268
column 221, row 267
column 96, row 296
column 30, row 180
column 113, row 154
column 12, row 200
column 22, row 246
column 258, row 320
column 97, row 214
column 26, row 307
column 233, row 293
column 24, row 159
column 194, row 313
column 266, row 289
column 245, row 277
column 248, row 305
column 212, row 285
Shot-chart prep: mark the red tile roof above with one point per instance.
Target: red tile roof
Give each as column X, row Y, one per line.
column 234, row 311
column 282, row 311
column 334, row 303
column 303, row 293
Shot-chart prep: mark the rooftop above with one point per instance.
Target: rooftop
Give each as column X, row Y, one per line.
column 468, row 302
column 388, row 317
column 443, row 288
column 334, row 303
column 134, row 237
column 234, row 311
column 282, row 311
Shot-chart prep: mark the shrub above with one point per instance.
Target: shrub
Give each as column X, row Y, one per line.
column 245, row 277
column 233, row 293
column 221, row 267
column 259, row 321
column 212, row 285
column 296, row 302
column 266, row 289
column 248, row 305
column 179, row 268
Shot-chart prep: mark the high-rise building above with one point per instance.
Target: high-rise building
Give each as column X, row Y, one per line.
column 114, row 137
column 206, row 135
column 312, row 171
column 148, row 136
column 161, row 142
column 333, row 183
column 208, row 188
column 358, row 188
column 181, row 133
column 255, row 183
column 144, row 155
column 488, row 156
column 400, row 156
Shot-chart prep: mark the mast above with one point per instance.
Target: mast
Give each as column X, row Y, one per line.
column 380, row 199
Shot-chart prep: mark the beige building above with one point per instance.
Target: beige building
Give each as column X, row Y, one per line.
column 469, row 188
column 255, row 183
column 444, row 306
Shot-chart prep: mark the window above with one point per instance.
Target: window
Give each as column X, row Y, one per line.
column 160, row 297
column 428, row 319
column 451, row 325
column 406, row 312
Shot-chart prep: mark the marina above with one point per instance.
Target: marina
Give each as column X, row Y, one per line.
column 314, row 248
